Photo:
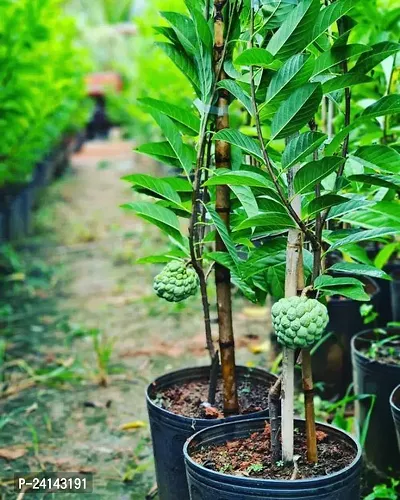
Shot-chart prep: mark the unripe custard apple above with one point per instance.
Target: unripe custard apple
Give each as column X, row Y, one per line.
column 176, row 282
column 299, row 321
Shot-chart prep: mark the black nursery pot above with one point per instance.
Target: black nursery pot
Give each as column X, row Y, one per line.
column 332, row 360
column 170, row 431
column 374, row 377
column 395, row 406
column 206, row 484
column 389, row 298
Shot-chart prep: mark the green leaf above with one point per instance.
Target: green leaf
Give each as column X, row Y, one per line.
column 359, row 269
column 295, row 32
column 163, row 152
column 161, row 258
column 276, row 281
column 337, row 55
column 247, row 199
column 272, row 221
column 184, row 63
column 378, row 53
column 174, row 138
column 155, row 185
column 323, row 202
column 329, row 15
column 384, row 255
column 343, row 81
column 347, row 287
column 183, row 116
column 250, row 146
column 294, row 73
column 388, row 181
column 262, row 259
column 300, row 147
column 202, row 27
column 222, row 258
column 296, row 111
column 238, row 178
column 370, row 234
column 223, row 233
column 236, row 90
column 348, row 207
column 255, row 57
column 184, row 29
column 160, row 216
column 379, row 156
column 315, row 171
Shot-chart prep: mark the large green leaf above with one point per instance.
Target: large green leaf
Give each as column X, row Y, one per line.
column 343, row 81
column 347, row 287
column 300, row 147
column 160, row 216
column 387, row 105
column 315, row 171
column 272, row 221
column 337, row 55
column 379, row 52
column 296, row 111
column 296, row 30
column 184, row 63
column 276, row 281
column 294, row 73
column 238, row 178
column 171, row 132
column 323, row 202
column 388, row 181
column 255, row 57
column 155, row 185
column 347, row 207
column 184, row 30
column 247, row 199
column 379, row 156
column 262, row 259
column 356, row 237
column 223, row 233
column 250, row 146
column 202, row 27
column 181, row 115
column 329, row 15
column 236, row 90
column 359, row 269
column 163, row 152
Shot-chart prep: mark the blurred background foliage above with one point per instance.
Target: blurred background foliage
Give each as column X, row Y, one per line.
column 42, row 81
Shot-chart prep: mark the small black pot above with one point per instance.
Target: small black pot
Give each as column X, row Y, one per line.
column 207, row 484
column 169, row 431
column 395, row 406
column 332, row 360
column 373, row 377
column 388, row 304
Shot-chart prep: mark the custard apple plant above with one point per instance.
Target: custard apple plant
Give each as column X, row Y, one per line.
column 275, row 166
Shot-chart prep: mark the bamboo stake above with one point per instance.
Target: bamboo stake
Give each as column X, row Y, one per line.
column 308, row 389
column 222, row 206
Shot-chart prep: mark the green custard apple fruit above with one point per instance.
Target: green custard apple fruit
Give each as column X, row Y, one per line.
column 176, row 282
column 299, row 321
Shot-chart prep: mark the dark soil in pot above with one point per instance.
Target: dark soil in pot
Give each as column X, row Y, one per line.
column 332, row 360
column 251, row 456
column 170, row 430
column 232, row 462
column 376, row 371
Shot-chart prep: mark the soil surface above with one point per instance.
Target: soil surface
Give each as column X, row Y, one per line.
column 250, row 457
column 190, row 400
column 384, row 351
column 82, row 332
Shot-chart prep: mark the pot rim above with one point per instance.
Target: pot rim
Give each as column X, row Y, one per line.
column 365, row 332
column 183, row 418
column 260, row 481
column 391, row 399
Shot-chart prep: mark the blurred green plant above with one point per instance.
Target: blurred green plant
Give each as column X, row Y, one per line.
column 42, row 83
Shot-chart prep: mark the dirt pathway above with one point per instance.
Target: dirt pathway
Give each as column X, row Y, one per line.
column 84, row 333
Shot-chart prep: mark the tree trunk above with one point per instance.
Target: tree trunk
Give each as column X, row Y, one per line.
column 222, row 274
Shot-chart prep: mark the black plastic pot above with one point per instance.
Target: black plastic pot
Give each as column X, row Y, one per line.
column 332, row 360
column 205, row 484
column 373, row 377
column 395, row 290
column 388, row 303
column 170, row 431
column 395, row 407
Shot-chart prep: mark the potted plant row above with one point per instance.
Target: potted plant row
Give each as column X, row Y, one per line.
column 42, row 102
column 263, row 72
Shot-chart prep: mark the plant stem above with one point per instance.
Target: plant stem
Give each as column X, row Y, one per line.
column 223, row 207
column 293, row 257
column 273, row 406
column 308, row 389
